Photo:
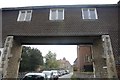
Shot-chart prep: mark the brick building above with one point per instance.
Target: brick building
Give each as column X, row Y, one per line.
column 84, row 58
column 67, row 24
column 64, row 64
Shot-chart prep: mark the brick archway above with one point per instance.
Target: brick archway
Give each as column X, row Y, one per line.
column 101, row 45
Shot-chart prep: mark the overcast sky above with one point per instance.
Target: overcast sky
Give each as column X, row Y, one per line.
column 67, row 51
column 22, row 3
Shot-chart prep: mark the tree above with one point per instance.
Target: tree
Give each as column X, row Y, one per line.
column 31, row 59
column 51, row 61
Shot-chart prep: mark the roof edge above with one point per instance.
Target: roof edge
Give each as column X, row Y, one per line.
column 61, row 6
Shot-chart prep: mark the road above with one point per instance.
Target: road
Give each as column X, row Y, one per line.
column 67, row 76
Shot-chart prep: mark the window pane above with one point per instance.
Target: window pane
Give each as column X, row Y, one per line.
column 60, row 14
column 28, row 16
column 21, row 16
column 92, row 14
column 53, row 15
column 85, row 14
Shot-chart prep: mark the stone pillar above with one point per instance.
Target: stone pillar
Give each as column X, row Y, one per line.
column 0, row 28
column 11, row 58
column 111, row 69
column 1, row 53
column 98, row 60
column 78, row 59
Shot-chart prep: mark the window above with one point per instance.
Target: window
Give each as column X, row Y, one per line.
column 56, row 14
column 25, row 15
column 89, row 13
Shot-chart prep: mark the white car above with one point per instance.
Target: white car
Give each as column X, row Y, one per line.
column 55, row 74
column 49, row 74
column 34, row 76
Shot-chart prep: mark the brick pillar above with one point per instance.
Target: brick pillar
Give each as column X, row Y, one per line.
column 11, row 59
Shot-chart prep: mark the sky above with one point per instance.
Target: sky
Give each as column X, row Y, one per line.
column 23, row 3
column 67, row 51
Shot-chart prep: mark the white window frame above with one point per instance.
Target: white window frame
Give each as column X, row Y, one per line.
column 89, row 17
column 50, row 15
column 20, row 12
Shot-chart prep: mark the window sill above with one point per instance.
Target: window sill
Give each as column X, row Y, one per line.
column 90, row 19
column 56, row 20
column 23, row 21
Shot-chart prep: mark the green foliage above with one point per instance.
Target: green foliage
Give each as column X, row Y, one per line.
column 51, row 61
column 31, row 58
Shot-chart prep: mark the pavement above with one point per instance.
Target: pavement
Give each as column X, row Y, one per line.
column 83, row 75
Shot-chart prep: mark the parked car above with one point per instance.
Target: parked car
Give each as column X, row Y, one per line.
column 49, row 74
column 67, row 71
column 59, row 73
column 63, row 72
column 55, row 74
column 34, row 76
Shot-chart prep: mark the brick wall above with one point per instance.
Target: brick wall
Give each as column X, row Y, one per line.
column 82, row 55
